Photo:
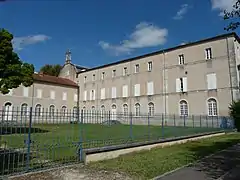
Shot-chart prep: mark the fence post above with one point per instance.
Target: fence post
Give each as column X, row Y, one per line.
column 174, row 119
column 200, row 120
column 148, row 127
column 193, row 119
column 131, row 128
column 29, row 140
column 212, row 121
column 207, row 120
column 184, row 120
column 163, row 126
column 81, row 134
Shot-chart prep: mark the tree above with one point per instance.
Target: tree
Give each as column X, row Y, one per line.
column 52, row 70
column 235, row 114
column 234, row 16
column 13, row 72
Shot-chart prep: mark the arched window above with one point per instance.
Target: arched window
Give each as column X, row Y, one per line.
column 114, row 112
column 125, row 110
column 75, row 111
column 63, row 111
column 212, row 107
column 24, row 107
column 38, row 109
column 183, row 108
column 102, row 110
column 51, row 110
column 137, row 109
column 151, row 109
column 8, row 111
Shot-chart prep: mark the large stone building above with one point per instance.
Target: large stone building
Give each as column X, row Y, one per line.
column 196, row 78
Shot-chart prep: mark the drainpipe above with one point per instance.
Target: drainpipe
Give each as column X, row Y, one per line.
column 165, row 89
column 229, row 69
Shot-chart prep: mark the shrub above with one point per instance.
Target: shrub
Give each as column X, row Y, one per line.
column 235, row 114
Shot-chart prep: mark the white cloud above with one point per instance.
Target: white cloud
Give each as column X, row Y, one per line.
column 144, row 35
column 181, row 12
column 20, row 42
column 222, row 5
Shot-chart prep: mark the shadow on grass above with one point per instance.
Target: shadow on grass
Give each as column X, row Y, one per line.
column 20, row 130
column 220, row 163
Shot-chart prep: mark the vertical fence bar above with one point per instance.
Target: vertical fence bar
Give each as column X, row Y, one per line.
column 212, row 121
column 207, row 121
column 148, row 118
column 29, row 140
column 184, row 120
column 217, row 121
column 131, row 128
column 193, row 120
column 162, row 126
column 174, row 119
column 200, row 120
column 81, row 136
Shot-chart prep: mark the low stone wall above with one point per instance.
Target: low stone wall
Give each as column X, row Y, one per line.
column 105, row 153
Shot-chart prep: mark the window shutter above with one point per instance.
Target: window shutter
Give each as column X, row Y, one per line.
column 85, row 95
column 211, row 81
column 137, row 90
column 94, row 94
column 90, row 95
column 25, row 91
column 75, row 97
column 150, row 90
column 184, row 84
column 125, row 91
column 178, row 85
column 103, row 93
column 39, row 93
column 114, row 92
column 52, row 94
column 64, row 96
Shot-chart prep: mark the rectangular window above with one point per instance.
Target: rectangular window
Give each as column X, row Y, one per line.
column 150, row 89
column 39, row 93
column 52, row 94
column 114, row 92
column 150, row 66
column 114, row 73
column 181, row 84
column 103, row 93
column 93, row 77
column 64, row 96
column 208, row 53
column 124, row 71
column 85, row 96
column 181, row 59
column 103, row 75
column 125, row 91
column 85, row 79
column 75, row 98
column 92, row 94
column 137, row 68
column 137, row 90
column 25, row 91
column 211, row 81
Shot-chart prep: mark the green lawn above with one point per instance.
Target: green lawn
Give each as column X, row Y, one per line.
column 60, row 142
column 149, row 164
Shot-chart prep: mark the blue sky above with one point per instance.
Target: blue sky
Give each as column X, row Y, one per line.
column 100, row 32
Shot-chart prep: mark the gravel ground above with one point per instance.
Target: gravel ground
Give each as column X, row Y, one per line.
column 74, row 173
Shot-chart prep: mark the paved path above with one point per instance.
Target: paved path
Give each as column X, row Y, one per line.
column 224, row 165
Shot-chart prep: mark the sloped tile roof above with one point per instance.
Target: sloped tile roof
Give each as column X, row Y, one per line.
column 54, row 80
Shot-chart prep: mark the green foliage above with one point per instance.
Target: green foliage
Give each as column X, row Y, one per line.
column 13, row 72
column 235, row 113
column 233, row 16
column 52, row 70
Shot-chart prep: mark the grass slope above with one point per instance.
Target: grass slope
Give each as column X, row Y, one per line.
column 149, row 164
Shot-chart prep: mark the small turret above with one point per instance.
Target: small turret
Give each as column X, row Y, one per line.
column 68, row 57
